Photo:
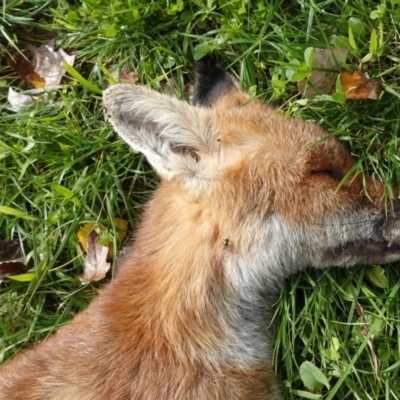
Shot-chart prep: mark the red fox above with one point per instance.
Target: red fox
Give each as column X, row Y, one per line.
column 247, row 198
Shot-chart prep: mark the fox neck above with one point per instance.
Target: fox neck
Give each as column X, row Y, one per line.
column 181, row 289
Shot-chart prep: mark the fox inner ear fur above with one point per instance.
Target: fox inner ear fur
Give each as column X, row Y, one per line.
column 173, row 135
column 214, row 88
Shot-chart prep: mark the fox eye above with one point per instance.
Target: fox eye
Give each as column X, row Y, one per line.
column 328, row 172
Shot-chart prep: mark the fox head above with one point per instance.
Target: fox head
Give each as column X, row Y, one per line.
column 247, row 197
column 268, row 184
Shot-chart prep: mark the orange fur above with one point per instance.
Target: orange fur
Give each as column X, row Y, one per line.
column 248, row 197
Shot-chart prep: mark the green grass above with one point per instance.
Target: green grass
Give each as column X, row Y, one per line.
column 65, row 146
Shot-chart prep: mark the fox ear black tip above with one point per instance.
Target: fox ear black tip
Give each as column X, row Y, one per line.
column 205, row 64
column 211, row 82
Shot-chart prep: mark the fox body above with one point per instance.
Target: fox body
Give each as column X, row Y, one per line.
column 247, row 198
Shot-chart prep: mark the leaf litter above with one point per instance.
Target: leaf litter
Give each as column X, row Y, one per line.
column 98, row 248
column 326, row 66
column 42, row 68
column 13, row 258
column 95, row 264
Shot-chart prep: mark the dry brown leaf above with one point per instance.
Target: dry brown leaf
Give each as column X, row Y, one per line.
column 95, row 264
column 12, row 258
column 41, row 67
column 358, row 86
column 321, row 82
column 127, row 76
column 10, row 268
column 22, row 63
column 83, row 233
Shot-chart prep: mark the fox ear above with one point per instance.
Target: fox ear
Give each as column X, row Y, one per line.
column 214, row 87
column 173, row 135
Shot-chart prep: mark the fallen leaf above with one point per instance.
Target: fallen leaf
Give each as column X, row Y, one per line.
column 22, row 63
column 124, row 75
column 358, row 86
column 41, row 67
column 11, row 267
column 127, row 76
column 83, row 233
column 95, row 264
column 13, row 258
column 322, row 77
column 19, row 101
column 48, row 63
column 122, row 226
